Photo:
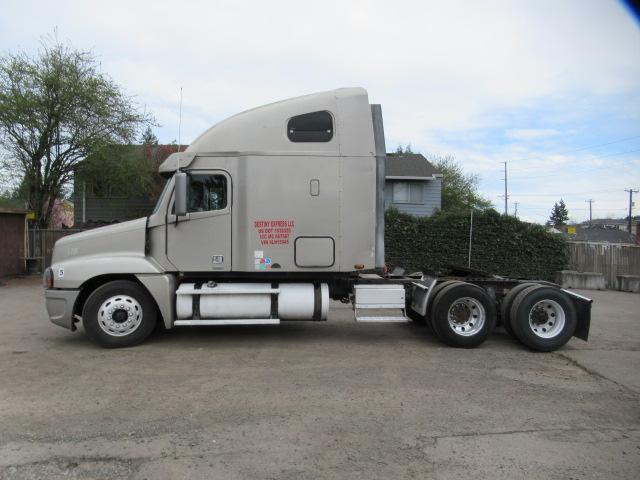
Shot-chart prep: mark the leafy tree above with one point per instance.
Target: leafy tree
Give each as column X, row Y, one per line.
column 148, row 137
column 122, row 169
column 559, row 214
column 406, row 149
column 10, row 199
column 56, row 108
column 459, row 189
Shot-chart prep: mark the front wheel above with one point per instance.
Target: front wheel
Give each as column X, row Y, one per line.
column 119, row 314
column 463, row 315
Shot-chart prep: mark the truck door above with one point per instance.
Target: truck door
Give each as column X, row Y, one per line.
column 200, row 241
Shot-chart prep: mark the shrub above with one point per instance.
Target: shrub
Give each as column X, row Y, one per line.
column 501, row 245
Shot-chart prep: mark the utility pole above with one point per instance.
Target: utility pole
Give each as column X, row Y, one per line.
column 515, row 214
column 631, row 192
column 506, row 196
column 590, row 202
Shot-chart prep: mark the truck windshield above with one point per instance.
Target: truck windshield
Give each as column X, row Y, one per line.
column 161, row 197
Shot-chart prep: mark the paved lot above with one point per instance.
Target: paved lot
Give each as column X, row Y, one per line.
column 316, row 400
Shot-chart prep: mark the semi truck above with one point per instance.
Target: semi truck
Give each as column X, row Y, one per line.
column 265, row 218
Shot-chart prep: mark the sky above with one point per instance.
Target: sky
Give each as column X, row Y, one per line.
column 550, row 87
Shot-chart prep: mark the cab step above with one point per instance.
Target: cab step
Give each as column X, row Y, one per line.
column 382, row 319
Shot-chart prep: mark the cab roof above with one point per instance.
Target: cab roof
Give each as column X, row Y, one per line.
column 263, row 130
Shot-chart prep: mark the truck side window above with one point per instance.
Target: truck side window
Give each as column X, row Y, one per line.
column 311, row 127
column 207, row 192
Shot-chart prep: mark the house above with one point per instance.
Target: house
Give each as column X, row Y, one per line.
column 412, row 184
column 119, row 184
column 613, row 224
column 13, row 225
column 603, row 235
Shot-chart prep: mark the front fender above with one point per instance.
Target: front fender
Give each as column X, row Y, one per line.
column 73, row 272
column 163, row 290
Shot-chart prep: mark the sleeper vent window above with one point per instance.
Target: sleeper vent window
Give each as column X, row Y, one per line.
column 311, row 127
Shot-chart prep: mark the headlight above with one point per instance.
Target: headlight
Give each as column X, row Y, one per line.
column 47, row 278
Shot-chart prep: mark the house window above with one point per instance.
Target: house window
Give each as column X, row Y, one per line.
column 407, row 192
column 206, row 192
column 311, row 127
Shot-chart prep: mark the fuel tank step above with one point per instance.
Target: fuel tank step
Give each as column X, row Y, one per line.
column 234, row 321
column 383, row 298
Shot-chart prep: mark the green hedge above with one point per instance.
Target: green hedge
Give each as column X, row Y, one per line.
column 501, row 245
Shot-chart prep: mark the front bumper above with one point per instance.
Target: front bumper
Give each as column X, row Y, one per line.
column 60, row 305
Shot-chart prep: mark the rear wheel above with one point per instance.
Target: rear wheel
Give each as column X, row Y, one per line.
column 425, row 319
column 432, row 300
column 507, row 301
column 543, row 318
column 119, row 314
column 463, row 315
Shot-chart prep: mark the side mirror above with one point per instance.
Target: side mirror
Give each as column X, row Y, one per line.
column 180, row 199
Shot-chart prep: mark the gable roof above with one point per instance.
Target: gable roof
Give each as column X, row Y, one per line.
column 409, row 165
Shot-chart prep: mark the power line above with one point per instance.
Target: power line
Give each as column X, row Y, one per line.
column 600, row 145
column 563, row 193
column 579, row 149
column 528, row 177
column 583, row 209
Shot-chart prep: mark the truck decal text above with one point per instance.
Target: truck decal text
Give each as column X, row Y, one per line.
column 274, row 232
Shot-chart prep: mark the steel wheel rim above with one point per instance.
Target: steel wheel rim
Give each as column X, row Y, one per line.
column 466, row 316
column 547, row 319
column 119, row 315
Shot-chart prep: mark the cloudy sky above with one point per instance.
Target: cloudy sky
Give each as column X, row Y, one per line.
column 551, row 87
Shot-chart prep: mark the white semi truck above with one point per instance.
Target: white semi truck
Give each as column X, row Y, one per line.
column 266, row 217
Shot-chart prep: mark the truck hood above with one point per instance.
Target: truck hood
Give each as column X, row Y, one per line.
column 126, row 238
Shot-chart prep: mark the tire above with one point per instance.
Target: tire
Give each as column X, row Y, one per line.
column 463, row 315
column 507, row 301
column 112, row 327
column 432, row 300
column 543, row 318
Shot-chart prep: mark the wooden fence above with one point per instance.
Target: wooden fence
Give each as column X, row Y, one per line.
column 40, row 246
column 607, row 258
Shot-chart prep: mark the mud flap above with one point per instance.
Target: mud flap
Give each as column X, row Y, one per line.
column 583, row 314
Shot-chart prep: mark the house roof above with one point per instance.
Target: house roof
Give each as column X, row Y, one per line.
column 598, row 234
column 15, row 210
column 607, row 221
column 409, row 165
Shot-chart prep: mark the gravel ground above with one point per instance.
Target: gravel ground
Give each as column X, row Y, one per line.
column 328, row 400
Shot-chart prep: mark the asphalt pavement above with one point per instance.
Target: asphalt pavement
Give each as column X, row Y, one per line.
column 326, row 400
